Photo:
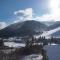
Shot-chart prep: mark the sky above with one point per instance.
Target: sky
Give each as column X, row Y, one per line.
column 12, row 11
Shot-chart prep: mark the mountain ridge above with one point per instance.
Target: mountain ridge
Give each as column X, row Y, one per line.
column 23, row 28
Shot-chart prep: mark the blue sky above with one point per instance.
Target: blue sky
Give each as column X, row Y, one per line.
column 7, row 7
column 41, row 10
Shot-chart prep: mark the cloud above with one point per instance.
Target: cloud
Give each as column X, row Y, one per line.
column 2, row 25
column 46, row 17
column 25, row 14
column 28, row 14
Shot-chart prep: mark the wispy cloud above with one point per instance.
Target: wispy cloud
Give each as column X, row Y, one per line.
column 24, row 14
column 28, row 14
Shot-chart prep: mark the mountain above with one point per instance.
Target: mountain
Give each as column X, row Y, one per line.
column 54, row 32
column 48, row 23
column 55, row 25
column 57, row 32
column 23, row 29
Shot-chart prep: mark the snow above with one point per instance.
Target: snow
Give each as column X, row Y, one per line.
column 33, row 57
column 48, row 34
column 52, row 44
column 13, row 44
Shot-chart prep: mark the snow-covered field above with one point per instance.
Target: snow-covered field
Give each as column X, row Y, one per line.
column 13, row 44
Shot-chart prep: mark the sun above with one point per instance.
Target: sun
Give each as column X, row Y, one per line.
column 54, row 8
column 54, row 4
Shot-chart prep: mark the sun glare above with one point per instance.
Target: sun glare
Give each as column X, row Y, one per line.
column 54, row 4
column 55, row 10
